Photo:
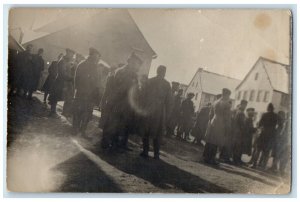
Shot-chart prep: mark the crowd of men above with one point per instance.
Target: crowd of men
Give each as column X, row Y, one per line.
column 150, row 108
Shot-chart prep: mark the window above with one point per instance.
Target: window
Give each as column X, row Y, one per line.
column 258, row 98
column 284, row 100
column 256, row 76
column 266, row 97
column 245, row 96
column 252, row 92
column 239, row 95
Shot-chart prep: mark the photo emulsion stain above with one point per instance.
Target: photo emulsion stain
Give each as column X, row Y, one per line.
column 149, row 101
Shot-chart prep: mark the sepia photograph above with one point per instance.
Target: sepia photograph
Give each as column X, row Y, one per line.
column 149, row 100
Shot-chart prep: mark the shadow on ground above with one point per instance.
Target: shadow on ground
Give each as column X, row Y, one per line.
column 82, row 175
column 160, row 173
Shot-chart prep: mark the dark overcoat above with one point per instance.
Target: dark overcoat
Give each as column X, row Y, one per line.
column 268, row 124
column 63, row 78
column 120, row 119
column 38, row 67
column 157, row 105
column 248, row 136
column 52, row 73
column 86, row 81
column 25, row 70
column 238, row 127
column 200, row 126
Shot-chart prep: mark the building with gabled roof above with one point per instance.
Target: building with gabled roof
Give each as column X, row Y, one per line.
column 207, row 85
column 111, row 31
column 267, row 82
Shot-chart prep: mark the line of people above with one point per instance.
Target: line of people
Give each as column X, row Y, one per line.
column 25, row 71
column 151, row 108
column 232, row 132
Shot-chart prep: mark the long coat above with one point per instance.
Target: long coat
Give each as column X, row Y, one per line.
column 219, row 126
column 63, row 79
column 120, row 119
column 186, row 113
column 248, row 136
column 200, row 126
column 86, row 81
column 52, row 72
column 38, row 67
column 238, row 127
column 268, row 123
column 157, row 105
column 25, row 70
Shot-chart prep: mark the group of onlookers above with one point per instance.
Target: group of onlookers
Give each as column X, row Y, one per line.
column 151, row 108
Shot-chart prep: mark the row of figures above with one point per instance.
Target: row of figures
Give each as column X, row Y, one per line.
column 150, row 108
column 228, row 134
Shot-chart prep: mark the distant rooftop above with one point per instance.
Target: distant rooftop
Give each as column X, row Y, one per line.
column 213, row 83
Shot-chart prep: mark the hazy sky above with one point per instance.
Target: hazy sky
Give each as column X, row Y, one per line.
column 222, row 41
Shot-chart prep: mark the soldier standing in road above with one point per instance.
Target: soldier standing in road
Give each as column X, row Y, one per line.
column 187, row 111
column 200, row 126
column 52, row 73
column 62, row 79
column 24, row 68
column 38, row 67
column 69, row 91
column 175, row 113
column 267, row 124
column 86, row 87
column 219, row 127
column 157, row 105
column 238, row 132
column 248, row 133
column 119, row 123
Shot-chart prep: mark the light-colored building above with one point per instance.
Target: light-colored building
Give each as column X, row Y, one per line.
column 207, row 85
column 267, row 82
column 183, row 87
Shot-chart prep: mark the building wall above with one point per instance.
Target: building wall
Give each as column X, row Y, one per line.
column 260, row 84
column 195, row 87
column 207, row 98
column 279, row 101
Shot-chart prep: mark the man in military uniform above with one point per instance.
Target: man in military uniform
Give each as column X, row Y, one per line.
column 219, row 127
column 248, row 133
column 23, row 70
column 52, row 72
column 187, row 111
column 37, row 68
column 239, row 129
column 157, row 104
column 119, row 122
column 86, row 79
column 63, row 77
column 175, row 112
column 200, row 126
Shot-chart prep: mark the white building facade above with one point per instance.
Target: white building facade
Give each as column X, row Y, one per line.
column 267, row 82
column 207, row 85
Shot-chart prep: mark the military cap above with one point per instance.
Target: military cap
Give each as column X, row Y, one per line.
column 244, row 102
column 94, row 51
column 190, row 94
column 250, row 109
column 68, row 50
column 226, row 91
